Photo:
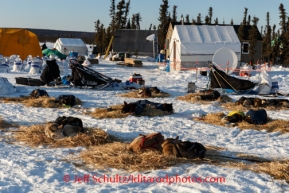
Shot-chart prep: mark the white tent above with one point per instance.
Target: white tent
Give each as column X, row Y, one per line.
column 195, row 45
column 66, row 45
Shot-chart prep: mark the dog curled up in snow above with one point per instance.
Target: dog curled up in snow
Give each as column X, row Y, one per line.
column 169, row 147
column 247, row 102
column 177, row 148
column 137, row 107
column 150, row 141
column 209, row 95
column 233, row 118
column 275, row 102
column 53, row 131
column 144, row 92
column 71, row 130
column 62, row 121
column 191, row 149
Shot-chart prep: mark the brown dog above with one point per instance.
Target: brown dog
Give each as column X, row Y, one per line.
column 143, row 142
column 169, row 147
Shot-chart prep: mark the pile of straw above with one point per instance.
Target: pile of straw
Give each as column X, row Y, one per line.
column 115, row 112
column 232, row 106
column 271, row 126
column 134, row 94
column 191, row 98
column 115, row 155
column 34, row 136
column 44, row 102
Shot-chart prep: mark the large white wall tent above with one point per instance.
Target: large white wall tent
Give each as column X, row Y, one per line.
column 195, row 45
column 66, row 45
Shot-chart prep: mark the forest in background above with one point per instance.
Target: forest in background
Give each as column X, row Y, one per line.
column 275, row 45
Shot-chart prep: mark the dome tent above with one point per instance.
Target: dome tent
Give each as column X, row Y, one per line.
column 20, row 42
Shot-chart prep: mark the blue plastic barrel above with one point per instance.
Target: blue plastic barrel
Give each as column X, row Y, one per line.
column 73, row 54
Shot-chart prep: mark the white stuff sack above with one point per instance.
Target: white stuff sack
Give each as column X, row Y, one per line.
column 36, row 65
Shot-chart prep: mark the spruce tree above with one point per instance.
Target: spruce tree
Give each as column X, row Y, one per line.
column 231, row 23
column 127, row 7
column 207, row 20
column 199, row 19
column 182, row 18
column 133, row 21
column 241, row 34
column 194, row 22
column 282, row 18
column 174, row 14
column 210, row 15
column 216, row 21
column 128, row 26
column 245, row 16
column 96, row 28
column 112, row 15
column 275, row 45
column 286, row 46
column 187, row 18
column 138, row 19
column 283, row 41
column 164, row 23
column 253, row 35
column 249, row 20
column 119, row 15
column 266, row 44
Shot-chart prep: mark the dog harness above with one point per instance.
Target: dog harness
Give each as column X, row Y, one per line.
column 151, row 146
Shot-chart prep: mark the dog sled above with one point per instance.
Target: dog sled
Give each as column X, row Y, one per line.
column 84, row 76
column 218, row 79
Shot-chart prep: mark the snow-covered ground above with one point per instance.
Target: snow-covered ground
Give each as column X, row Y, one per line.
column 24, row 169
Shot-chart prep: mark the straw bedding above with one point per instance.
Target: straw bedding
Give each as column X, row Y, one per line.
column 115, row 155
column 232, row 106
column 191, row 98
column 105, row 151
column 44, row 102
column 272, row 125
column 34, row 136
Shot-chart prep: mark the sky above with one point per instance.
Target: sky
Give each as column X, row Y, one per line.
column 76, row 15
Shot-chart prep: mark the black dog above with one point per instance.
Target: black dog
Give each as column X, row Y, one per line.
column 192, row 149
column 235, row 118
column 73, row 121
column 209, row 95
column 39, row 93
column 137, row 107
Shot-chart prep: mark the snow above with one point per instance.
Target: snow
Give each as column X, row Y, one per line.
column 41, row 169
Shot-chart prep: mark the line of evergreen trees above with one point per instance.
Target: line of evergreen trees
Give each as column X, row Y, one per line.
column 275, row 45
